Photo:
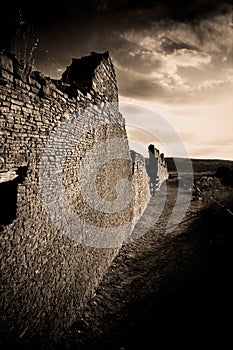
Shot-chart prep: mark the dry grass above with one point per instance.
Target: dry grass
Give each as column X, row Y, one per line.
column 217, row 212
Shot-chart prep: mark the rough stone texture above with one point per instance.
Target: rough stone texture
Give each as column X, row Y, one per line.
column 156, row 168
column 46, row 276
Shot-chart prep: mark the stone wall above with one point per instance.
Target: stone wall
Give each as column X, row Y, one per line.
column 47, row 275
column 156, row 168
column 140, row 182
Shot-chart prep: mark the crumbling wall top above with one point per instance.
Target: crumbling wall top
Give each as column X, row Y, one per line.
column 81, row 72
column 94, row 72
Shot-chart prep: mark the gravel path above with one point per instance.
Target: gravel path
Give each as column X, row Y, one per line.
column 160, row 291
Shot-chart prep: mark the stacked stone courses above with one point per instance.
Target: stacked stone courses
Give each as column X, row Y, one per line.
column 47, row 277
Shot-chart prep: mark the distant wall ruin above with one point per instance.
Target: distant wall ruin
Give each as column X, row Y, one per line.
column 46, row 277
column 156, row 168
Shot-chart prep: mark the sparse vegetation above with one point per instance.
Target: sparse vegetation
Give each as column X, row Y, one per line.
column 217, row 212
column 25, row 43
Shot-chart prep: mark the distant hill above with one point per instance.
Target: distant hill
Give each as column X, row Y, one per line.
column 200, row 166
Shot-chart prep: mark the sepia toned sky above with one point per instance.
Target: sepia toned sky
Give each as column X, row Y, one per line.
column 174, row 58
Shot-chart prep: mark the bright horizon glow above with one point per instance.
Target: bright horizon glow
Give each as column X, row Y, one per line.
column 180, row 68
column 204, row 137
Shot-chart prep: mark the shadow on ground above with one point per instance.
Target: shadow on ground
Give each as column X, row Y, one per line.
column 162, row 291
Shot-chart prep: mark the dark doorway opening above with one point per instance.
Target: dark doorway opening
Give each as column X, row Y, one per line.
column 8, row 201
column 8, row 197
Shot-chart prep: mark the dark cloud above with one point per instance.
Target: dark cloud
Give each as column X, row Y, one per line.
column 169, row 45
column 135, row 86
column 177, row 10
column 71, row 28
column 45, row 14
column 174, row 54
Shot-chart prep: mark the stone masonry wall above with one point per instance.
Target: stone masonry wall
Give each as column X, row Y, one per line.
column 156, row 168
column 47, row 276
column 141, row 184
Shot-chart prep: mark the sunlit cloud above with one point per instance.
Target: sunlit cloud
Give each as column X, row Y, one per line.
column 177, row 61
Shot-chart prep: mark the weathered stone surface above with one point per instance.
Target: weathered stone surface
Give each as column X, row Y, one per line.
column 47, row 277
column 7, row 176
column 6, row 63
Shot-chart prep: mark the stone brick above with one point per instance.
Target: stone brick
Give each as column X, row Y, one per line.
column 42, row 265
column 6, row 63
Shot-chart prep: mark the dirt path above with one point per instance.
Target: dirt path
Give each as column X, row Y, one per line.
column 160, row 291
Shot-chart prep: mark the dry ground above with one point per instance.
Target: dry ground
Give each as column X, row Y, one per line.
column 161, row 291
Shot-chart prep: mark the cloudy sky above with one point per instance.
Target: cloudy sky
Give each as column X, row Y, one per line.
column 173, row 59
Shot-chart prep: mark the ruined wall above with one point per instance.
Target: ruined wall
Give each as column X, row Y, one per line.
column 46, row 275
column 140, row 183
column 156, row 168
column 163, row 173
